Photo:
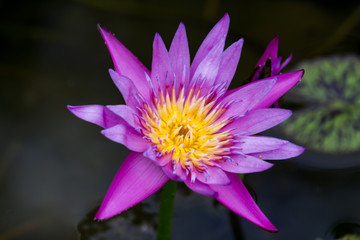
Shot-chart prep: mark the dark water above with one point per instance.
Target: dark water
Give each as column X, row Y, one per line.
column 55, row 169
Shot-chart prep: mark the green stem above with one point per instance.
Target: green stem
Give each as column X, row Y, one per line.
column 166, row 211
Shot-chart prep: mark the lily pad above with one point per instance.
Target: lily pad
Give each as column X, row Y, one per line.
column 329, row 92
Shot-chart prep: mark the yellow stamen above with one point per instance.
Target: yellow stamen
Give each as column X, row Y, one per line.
column 187, row 128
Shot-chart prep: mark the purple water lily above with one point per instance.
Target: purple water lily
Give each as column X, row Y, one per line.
column 181, row 123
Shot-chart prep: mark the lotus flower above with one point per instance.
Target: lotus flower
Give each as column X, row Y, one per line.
column 181, row 123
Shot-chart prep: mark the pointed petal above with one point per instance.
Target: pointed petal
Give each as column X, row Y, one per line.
column 161, row 70
column 244, row 164
column 208, row 68
column 284, row 83
column 244, row 98
column 236, row 197
column 127, row 88
column 286, row 62
column 125, row 62
column 254, row 144
column 258, row 120
column 200, row 187
column 229, row 62
column 213, row 175
column 96, row 114
column 136, row 179
column 125, row 112
column 180, row 56
column 286, row 151
column 218, row 32
column 271, row 52
column 128, row 136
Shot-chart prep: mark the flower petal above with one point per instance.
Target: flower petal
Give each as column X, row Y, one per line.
column 180, row 56
column 155, row 157
column 136, row 179
column 200, row 187
column 286, row 62
column 271, row 52
column 161, row 69
column 244, row 164
column 126, row 112
column 126, row 63
column 176, row 174
column 286, row 151
column 96, row 114
column 244, row 98
column 284, row 83
column 228, row 64
column 128, row 136
column 254, row 144
column 208, row 68
column 218, row 32
column 127, row 88
column 258, row 120
column 236, row 197
column 213, row 175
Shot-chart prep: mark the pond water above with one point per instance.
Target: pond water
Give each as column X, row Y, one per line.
column 55, row 169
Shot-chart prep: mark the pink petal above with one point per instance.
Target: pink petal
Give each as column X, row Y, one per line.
column 180, row 56
column 286, row 151
column 96, row 114
column 176, row 174
column 128, row 136
column 126, row 63
column 155, row 157
column 136, row 179
column 228, row 64
column 208, row 68
column 161, row 69
column 213, row 175
column 236, row 197
column 127, row 89
column 244, row 164
column 244, row 98
column 200, row 187
column 258, row 120
column 271, row 52
column 254, row 144
column 283, row 84
column 286, row 62
column 218, row 32
column 126, row 112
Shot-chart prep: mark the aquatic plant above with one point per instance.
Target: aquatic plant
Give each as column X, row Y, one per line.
column 330, row 120
column 181, row 123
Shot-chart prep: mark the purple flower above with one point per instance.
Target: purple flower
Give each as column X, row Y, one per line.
column 181, row 123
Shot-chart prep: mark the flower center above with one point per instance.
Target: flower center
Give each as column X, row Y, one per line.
column 187, row 127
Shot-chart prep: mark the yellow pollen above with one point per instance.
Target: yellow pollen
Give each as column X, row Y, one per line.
column 187, row 128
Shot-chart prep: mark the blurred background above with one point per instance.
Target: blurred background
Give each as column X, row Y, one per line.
column 55, row 169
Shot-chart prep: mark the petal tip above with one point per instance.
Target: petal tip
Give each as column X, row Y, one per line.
column 100, row 27
column 275, row 40
column 103, row 213
column 271, row 228
column 103, row 31
column 226, row 17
